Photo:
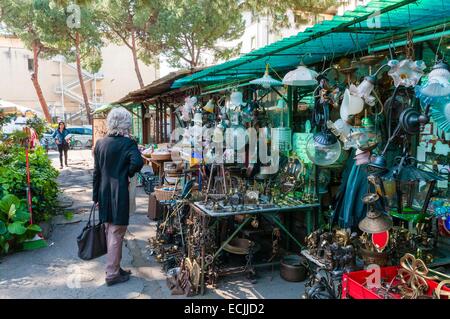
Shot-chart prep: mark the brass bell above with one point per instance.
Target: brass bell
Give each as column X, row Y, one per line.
column 375, row 221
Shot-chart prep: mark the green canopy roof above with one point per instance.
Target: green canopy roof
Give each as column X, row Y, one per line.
column 352, row 32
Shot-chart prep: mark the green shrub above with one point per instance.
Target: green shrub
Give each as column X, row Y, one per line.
column 44, row 189
column 15, row 227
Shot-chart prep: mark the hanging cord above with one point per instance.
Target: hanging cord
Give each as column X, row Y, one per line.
column 391, row 47
column 274, row 71
column 410, row 54
column 439, row 44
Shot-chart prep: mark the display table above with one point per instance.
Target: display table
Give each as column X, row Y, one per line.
column 158, row 163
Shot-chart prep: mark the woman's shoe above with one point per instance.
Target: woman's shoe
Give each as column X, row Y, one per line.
column 124, row 272
column 117, row 279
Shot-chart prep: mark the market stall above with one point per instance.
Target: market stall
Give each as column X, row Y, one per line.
column 324, row 152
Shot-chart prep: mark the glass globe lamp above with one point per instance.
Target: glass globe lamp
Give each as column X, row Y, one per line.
column 323, row 148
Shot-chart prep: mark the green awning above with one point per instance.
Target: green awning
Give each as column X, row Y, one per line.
column 352, row 32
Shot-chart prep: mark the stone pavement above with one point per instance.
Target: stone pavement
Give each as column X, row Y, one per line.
column 56, row 271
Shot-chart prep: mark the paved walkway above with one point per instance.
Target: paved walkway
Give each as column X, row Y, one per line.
column 56, row 271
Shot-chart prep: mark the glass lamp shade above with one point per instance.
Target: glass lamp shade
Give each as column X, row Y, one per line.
column 323, row 149
column 301, row 76
column 281, row 104
column 340, row 128
column 441, row 115
column 266, row 81
column 437, row 89
column 189, row 103
column 209, row 107
column 198, row 118
column 366, row 87
column 218, row 136
column 351, row 104
column 236, row 99
column 406, row 72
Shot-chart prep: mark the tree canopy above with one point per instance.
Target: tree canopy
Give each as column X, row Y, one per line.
column 188, row 29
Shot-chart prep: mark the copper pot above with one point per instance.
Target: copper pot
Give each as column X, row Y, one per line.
column 292, row 268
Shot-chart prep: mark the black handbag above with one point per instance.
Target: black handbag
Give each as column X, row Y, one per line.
column 92, row 240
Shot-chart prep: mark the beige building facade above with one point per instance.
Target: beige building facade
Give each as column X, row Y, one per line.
column 59, row 80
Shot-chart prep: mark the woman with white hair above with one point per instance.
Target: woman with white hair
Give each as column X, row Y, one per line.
column 116, row 160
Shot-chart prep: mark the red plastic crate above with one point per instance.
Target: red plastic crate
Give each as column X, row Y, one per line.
column 353, row 284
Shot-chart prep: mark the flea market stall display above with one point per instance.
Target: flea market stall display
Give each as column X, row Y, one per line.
column 228, row 214
column 322, row 159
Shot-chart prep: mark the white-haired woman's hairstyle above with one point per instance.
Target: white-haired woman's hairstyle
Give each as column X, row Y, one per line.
column 118, row 121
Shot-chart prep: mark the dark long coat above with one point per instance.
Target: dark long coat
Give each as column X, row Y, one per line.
column 116, row 159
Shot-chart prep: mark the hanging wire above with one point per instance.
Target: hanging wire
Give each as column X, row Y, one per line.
column 333, row 49
column 324, row 59
column 276, row 73
column 391, row 46
column 439, row 45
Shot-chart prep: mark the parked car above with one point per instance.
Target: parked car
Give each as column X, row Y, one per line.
column 80, row 137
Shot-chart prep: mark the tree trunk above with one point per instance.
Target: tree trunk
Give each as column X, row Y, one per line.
column 80, row 77
column 37, row 86
column 135, row 60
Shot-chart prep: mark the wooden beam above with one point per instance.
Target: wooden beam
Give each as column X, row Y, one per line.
column 166, row 137
column 157, row 124
column 161, row 123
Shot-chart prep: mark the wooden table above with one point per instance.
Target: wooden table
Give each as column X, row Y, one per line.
column 159, row 163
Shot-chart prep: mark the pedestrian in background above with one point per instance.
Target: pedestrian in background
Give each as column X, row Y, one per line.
column 116, row 160
column 60, row 136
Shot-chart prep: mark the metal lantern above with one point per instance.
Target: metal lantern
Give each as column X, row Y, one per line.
column 376, row 221
column 407, row 188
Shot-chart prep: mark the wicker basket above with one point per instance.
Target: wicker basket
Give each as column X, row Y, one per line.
column 162, row 194
column 161, row 156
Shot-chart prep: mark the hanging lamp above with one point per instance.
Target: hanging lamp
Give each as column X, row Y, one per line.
column 301, row 76
column 437, row 89
column 266, row 81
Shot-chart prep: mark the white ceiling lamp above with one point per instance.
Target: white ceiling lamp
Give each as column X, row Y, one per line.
column 301, row 76
column 266, row 81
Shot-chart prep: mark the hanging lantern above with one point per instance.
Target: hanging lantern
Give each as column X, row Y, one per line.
column 406, row 72
column 407, row 188
column 266, row 81
column 437, row 89
column 301, row 76
column 323, row 148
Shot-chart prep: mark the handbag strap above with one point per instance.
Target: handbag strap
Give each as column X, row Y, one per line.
column 93, row 208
